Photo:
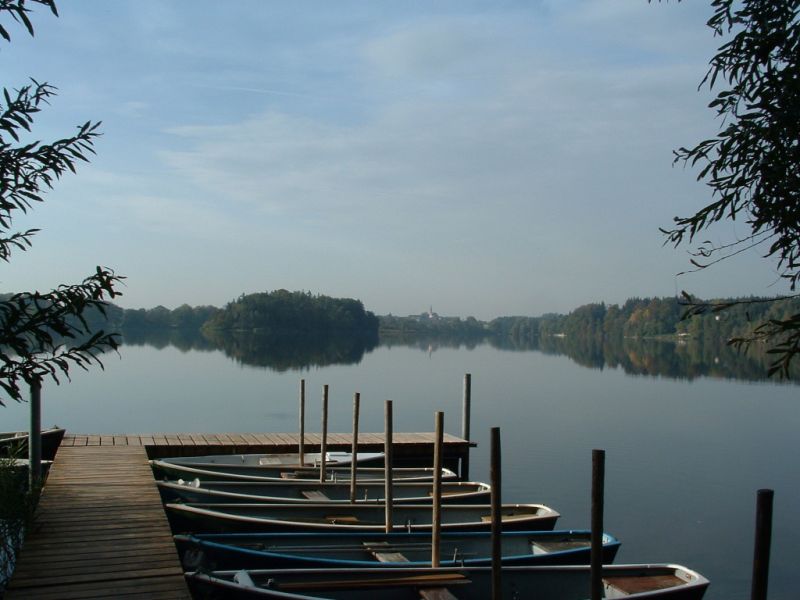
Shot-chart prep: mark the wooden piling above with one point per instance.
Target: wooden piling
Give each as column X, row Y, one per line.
column 324, row 445
column 496, row 480
column 354, row 451
column 598, row 492
column 466, row 406
column 466, row 409
column 763, row 541
column 388, row 495
column 35, row 436
column 436, row 539
column 302, row 441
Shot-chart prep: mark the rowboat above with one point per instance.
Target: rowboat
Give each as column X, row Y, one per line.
column 361, row 550
column 15, row 443
column 323, row 516
column 363, row 474
column 414, row 492
column 255, row 464
column 570, row 582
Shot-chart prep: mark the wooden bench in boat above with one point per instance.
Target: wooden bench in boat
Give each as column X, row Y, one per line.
column 381, row 552
column 637, row 584
column 432, row 580
column 435, row 593
column 540, row 547
column 315, row 495
column 505, row 518
column 348, row 519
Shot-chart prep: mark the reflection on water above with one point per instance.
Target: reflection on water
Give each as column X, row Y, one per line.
column 682, row 359
column 279, row 353
column 282, row 353
column 674, row 359
column 689, row 440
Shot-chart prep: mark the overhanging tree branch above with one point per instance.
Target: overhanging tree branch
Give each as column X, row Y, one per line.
column 752, row 166
column 35, row 327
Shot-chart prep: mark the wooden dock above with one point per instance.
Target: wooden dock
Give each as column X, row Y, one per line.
column 101, row 530
column 159, row 445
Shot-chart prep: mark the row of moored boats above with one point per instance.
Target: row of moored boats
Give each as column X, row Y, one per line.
column 265, row 526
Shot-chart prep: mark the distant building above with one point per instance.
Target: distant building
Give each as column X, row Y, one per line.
column 426, row 316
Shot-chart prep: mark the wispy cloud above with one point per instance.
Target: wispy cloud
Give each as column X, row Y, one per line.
column 515, row 146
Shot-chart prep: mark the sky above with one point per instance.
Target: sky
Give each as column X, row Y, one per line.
column 479, row 158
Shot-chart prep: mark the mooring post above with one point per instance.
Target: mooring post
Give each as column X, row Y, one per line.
column 496, row 480
column 762, row 544
column 324, row 445
column 598, row 492
column 466, row 407
column 302, row 442
column 387, row 458
column 35, row 436
column 436, row 539
column 354, row 450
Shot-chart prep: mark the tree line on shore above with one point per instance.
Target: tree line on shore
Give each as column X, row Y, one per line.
column 282, row 330
column 649, row 318
column 277, row 313
column 281, row 312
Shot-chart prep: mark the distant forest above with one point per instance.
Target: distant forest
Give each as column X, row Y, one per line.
column 300, row 314
column 285, row 330
column 639, row 318
column 648, row 318
column 271, row 314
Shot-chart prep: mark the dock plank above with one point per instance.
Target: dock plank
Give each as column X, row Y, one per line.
column 160, row 444
column 100, row 530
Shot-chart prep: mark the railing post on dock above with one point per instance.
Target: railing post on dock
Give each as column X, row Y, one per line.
column 387, row 476
column 324, row 445
column 302, row 442
column 354, row 451
column 598, row 492
column 496, row 480
column 762, row 544
column 436, row 538
column 466, row 408
column 35, row 436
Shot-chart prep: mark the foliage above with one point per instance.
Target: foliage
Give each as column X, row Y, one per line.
column 183, row 318
column 294, row 313
column 647, row 318
column 32, row 324
column 425, row 327
column 752, row 166
column 17, row 505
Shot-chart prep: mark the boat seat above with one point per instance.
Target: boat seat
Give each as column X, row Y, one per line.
column 315, row 495
column 380, row 551
column 638, row 585
column 436, row 593
column 348, row 519
column 423, row 583
column 504, row 518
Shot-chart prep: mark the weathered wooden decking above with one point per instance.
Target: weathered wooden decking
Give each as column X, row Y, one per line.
column 101, row 531
column 159, row 445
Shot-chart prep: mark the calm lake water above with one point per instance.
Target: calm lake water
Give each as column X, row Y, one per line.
column 684, row 458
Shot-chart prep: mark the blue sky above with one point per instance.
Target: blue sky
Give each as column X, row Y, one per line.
column 483, row 158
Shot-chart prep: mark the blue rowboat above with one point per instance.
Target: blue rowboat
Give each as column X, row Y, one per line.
column 361, row 550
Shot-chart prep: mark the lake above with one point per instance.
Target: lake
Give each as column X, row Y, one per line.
column 684, row 456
